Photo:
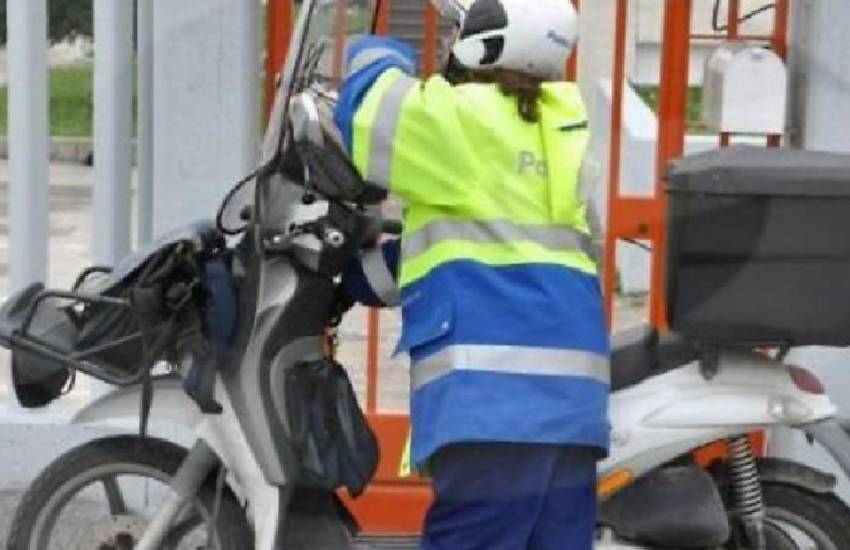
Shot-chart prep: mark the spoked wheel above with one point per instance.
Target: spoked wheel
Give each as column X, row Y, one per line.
column 102, row 495
column 801, row 520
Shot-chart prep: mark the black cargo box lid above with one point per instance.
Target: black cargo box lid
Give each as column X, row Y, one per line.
column 750, row 170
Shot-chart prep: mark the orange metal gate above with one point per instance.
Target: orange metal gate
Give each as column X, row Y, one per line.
column 643, row 218
column 395, row 505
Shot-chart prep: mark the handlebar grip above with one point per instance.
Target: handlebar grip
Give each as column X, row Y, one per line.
column 391, row 227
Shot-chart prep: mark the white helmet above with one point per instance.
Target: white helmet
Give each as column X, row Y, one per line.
column 531, row 36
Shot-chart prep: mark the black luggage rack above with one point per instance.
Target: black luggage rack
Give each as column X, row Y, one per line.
column 116, row 333
column 79, row 360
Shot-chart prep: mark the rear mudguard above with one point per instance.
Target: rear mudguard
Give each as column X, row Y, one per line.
column 787, row 472
column 834, row 435
column 121, row 406
column 669, row 415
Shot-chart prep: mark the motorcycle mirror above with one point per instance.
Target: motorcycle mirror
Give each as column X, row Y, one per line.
column 306, row 124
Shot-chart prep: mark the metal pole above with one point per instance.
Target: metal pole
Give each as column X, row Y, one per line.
column 144, row 121
column 429, row 42
column 373, row 349
column 780, row 46
column 383, row 22
column 572, row 63
column 732, row 33
column 618, row 83
column 29, row 188
column 113, row 95
column 278, row 32
column 373, row 326
column 672, row 123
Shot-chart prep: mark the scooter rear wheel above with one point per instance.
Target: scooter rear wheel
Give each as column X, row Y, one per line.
column 125, row 477
column 801, row 520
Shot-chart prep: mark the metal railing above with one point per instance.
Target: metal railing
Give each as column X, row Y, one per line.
column 28, row 129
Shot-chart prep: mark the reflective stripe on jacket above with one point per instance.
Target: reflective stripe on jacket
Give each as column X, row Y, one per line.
column 503, row 315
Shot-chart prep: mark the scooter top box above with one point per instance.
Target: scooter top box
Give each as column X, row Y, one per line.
column 759, row 247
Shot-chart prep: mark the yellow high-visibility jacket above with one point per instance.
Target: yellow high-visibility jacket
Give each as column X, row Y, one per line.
column 502, row 310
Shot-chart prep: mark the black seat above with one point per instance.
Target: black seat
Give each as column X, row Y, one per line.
column 641, row 353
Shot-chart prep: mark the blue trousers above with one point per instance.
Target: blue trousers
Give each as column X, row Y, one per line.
column 499, row 496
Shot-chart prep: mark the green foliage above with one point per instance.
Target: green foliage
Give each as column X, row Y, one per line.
column 650, row 96
column 70, row 101
column 71, row 107
column 67, row 19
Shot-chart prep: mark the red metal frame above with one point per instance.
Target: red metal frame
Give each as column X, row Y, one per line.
column 383, row 23
column 278, row 34
column 429, row 43
column 616, row 203
column 672, row 126
column 572, row 63
column 643, row 218
column 340, row 38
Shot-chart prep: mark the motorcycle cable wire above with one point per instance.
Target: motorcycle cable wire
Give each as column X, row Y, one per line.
column 715, row 16
column 228, row 198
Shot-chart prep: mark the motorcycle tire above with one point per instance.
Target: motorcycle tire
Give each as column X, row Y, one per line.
column 118, row 455
column 799, row 519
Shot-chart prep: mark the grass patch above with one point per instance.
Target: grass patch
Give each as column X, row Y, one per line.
column 650, row 95
column 71, row 107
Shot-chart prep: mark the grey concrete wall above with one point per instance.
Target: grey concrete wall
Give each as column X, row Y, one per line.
column 820, row 118
column 820, row 65
column 206, row 104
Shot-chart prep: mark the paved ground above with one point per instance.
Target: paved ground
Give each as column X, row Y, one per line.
column 30, row 440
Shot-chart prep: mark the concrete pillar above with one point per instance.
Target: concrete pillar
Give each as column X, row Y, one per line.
column 819, row 59
column 144, row 120
column 113, row 107
column 820, row 68
column 29, row 189
column 206, row 104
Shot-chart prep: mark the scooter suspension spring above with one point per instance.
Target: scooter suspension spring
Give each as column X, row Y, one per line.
column 744, row 477
column 746, row 492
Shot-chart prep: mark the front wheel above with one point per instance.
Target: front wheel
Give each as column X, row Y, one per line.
column 101, row 496
column 797, row 519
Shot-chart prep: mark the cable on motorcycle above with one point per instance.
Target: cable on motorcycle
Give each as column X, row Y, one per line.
column 219, row 217
column 639, row 244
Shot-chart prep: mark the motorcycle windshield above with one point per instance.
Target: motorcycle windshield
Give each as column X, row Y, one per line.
column 285, row 293
column 316, row 57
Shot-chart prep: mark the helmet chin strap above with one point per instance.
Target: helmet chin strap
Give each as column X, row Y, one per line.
column 454, row 71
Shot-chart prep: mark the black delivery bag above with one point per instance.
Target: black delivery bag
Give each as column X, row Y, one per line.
column 113, row 325
column 759, row 247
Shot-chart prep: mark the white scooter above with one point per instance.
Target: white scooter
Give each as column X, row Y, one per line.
column 667, row 403
column 238, row 487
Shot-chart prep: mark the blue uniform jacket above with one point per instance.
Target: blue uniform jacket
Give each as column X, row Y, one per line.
column 527, row 343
